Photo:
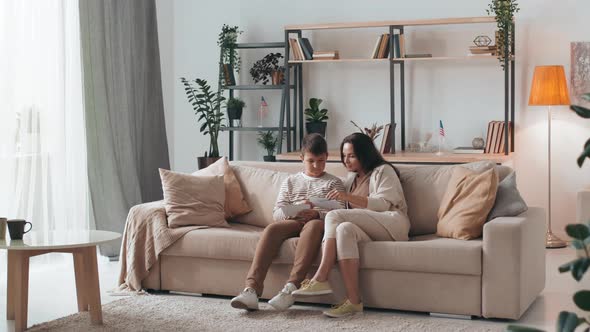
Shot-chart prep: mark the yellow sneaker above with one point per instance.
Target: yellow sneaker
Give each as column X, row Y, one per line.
column 312, row 288
column 344, row 309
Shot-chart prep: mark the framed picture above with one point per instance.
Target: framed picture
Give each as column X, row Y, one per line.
column 228, row 74
column 580, row 72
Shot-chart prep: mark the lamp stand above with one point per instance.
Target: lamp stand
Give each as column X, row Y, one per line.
column 551, row 240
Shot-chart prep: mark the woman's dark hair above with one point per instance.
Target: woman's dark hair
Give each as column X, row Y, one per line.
column 365, row 151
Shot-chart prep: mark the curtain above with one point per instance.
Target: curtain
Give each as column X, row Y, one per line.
column 126, row 135
column 43, row 171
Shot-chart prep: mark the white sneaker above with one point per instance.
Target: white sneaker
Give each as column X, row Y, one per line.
column 283, row 300
column 247, row 300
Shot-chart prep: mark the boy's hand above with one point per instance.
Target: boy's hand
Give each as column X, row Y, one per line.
column 336, row 195
column 308, row 202
column 307, row 215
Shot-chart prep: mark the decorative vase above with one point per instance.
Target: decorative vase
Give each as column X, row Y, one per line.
column 277, row 77
column 316, row 128
column 204, row 162
column 478, row 143
column 269, row 158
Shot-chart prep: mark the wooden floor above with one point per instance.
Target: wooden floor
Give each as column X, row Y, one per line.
column 417, row 157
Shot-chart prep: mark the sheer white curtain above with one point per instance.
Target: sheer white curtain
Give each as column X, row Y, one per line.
column 43, row 173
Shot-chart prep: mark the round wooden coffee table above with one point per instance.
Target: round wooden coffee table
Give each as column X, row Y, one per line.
column 82, row 244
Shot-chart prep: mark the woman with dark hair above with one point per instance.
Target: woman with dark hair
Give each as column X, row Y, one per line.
column 377, row 211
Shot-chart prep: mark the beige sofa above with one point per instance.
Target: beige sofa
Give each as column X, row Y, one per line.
column 497, row 276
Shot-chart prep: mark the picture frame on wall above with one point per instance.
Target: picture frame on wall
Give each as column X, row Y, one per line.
column 580, row 72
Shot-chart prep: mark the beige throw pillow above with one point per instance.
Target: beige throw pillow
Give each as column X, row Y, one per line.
column 466, row 204
column 235, row 204
column 193, row 200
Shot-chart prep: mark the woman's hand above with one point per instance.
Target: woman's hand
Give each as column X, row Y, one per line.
column 307, row 215
column 337, row 195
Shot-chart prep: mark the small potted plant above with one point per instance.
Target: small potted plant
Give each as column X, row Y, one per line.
column 269, row 142
column 504, row 11
column 268, row 68
column 234, row 109
column 207, row 106
column 315, row 117
column 227, row 40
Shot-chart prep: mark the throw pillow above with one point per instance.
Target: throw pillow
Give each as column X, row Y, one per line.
column 508, row 203
column 193, row 200
column 466, row 204
column 235, row 204
column 424, row 188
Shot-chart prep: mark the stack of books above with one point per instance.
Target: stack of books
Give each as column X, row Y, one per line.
column 326, row 55
column 301, row 49
column 482, row 50
column 381, row 48
column 467, row 150
column 495, row 142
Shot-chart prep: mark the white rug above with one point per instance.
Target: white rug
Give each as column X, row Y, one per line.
column 194, row 313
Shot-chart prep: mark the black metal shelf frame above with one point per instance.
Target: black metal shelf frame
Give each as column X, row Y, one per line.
column 509, row 90
column 285, row 92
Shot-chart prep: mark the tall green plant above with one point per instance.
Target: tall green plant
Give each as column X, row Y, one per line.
column 207, row 105
column 504, row 11
column 268, row 141
column 568, row 321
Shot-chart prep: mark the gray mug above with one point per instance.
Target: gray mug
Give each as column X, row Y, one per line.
column 16, row 228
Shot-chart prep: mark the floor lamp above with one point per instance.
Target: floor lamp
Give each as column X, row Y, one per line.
column 549, row 88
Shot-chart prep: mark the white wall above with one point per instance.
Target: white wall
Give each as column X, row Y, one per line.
column 465, row 95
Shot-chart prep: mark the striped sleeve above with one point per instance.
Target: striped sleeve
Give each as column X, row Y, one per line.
column 283, row 198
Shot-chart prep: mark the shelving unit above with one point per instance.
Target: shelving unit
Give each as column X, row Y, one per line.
column 399, row 26
column 284, row 88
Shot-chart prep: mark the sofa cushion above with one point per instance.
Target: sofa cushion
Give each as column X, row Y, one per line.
column 193, row 200
column 235, row 204
column 260, row 187
column 424, row 188
column 467, row 203
column 427, row 253
column 508, row 203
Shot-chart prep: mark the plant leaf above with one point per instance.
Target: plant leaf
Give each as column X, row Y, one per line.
column 578, row 244
column 582, row 299
column 577, row 231
column 586, row 96
column 567, row 321
column 581, row 111
column 585, row 154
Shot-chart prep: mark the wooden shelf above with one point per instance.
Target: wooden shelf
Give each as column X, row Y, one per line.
column 465, row 57
column 382, row 24
column 253, row 128
column 338, row 60
column 416, row 157
column 260, row 45
column 257, row 87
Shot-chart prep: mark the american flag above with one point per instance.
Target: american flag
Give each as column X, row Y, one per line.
column 441, row 131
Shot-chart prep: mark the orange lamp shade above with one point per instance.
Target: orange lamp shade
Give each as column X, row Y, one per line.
column 549, row 87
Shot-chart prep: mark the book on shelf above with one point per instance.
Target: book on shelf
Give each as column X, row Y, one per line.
column 383, row 51
column 402, row 45
column 296, row 48
column 495, row 142
column 375, row 53
column 228, row 74
column 396, row 46
column 467, row 150
column 418, row 55
column 325, row 55
column 481, row 50
column 300, row 49
column 307, row 49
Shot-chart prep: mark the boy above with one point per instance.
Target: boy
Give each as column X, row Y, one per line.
column 308, row 224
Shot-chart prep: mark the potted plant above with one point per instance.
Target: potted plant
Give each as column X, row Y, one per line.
column 207, row 106
column 372, row 132
column 269, row 142
column 268, row 67
column 504, row 11
column 228, row 38
column 234, row 109
column 315, row 117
